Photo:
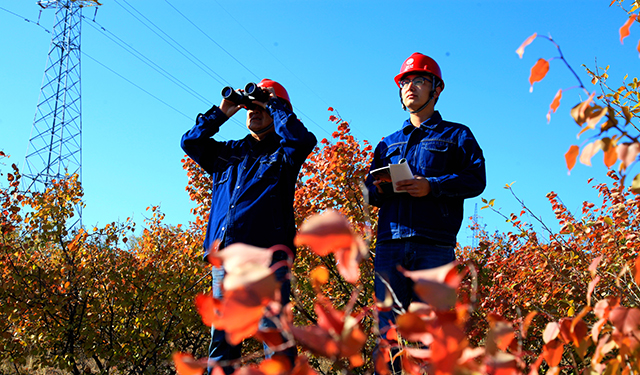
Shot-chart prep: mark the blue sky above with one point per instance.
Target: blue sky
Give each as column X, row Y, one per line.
column 342, row 54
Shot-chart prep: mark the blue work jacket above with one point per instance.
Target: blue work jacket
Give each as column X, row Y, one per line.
column 253, row 181
column 449, row 157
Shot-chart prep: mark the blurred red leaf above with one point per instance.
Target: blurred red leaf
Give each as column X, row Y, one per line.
column 302, row 367
column 626, row 320
column 593, row 267
column 551, row 331
column 325, row 233
column 592, row 286
column 330, row 232
column 538, row 71
column 628, row 153
column 436, row 294
column 499, row 337
column 502, row 364
column 276, row 365
column 413, row 328
column 187, row 365
column 552, row 352
column 624, row 30
column 527, row 322
column 588, row 151
column 520, row 50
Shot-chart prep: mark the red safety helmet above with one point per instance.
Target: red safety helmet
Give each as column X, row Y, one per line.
column 419, row 63
column 278, row 88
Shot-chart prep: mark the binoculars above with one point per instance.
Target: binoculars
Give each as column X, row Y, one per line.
column 251, row 92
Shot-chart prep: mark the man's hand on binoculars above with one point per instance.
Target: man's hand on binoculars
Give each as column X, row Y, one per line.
column 229, row 108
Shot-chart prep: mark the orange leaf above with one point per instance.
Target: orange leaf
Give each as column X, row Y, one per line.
column 319, row 275
column 527, row 322
column 624, row 30
column 610, row 157
column 554, row 104
column 520, row 50
column 538, row 71
column 637, row 271
column 571, row 156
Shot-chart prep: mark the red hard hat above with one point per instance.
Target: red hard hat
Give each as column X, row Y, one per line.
column 279, row 89
column 419, row 63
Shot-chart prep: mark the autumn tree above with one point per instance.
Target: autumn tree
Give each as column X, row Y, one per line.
column 92, row 300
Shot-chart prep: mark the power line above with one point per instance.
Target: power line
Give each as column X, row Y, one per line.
column 190, row 56
column 233, row 57
column 120, row 75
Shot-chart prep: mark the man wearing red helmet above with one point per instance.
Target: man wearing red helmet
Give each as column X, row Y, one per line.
column 253, row 185
column 418, row 224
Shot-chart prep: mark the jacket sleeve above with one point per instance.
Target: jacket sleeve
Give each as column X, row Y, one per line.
column 198, row 144
column 297, row 141
column 469, row 178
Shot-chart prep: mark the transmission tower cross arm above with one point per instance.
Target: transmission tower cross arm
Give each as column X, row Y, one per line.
column 44, row 4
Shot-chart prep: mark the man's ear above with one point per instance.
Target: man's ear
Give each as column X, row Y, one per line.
column 438, row 91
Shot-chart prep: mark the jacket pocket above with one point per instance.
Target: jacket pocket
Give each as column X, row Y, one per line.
column 270, row 166
column 221, row 178
column 433, row 154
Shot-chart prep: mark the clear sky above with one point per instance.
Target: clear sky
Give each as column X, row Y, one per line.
column 337, row 53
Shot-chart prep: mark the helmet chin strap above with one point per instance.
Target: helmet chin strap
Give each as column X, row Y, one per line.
column 260, row 132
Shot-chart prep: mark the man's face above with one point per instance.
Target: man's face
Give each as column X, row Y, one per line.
column 258, row 120
column 414, row 94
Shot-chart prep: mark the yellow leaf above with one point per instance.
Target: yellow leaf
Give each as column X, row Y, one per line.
column 635, row 185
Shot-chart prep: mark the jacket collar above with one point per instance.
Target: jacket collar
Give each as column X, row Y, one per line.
column 430, row 124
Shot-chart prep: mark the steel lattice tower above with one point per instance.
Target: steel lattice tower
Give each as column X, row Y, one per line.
column 55, row 145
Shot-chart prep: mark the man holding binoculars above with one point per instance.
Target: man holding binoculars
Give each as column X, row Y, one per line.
column 253, row 181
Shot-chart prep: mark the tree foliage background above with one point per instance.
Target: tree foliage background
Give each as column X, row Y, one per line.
column 103, row 300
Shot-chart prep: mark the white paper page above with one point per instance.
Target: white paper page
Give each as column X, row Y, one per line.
column 400, row 172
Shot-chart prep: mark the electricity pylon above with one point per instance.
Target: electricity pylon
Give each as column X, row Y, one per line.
column 55, row 144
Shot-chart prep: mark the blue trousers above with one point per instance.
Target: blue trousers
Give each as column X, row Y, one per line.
column 219, row 348
column 412, row 254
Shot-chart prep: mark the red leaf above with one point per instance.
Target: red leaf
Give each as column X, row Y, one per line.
column 624, row 30
column 538, row 72
column 520, row 50
column 636, row 274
